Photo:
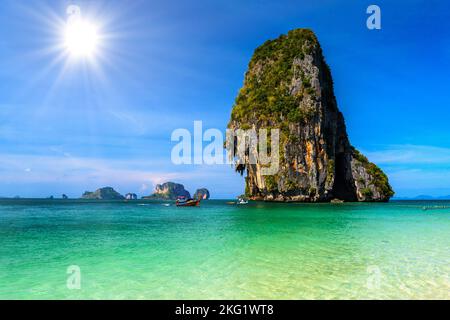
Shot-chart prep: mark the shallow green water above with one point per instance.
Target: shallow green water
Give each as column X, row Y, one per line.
column 219, row 251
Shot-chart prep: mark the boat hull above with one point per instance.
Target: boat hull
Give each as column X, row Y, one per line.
column 190, row 203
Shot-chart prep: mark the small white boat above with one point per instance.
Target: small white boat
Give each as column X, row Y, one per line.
column 242, row 201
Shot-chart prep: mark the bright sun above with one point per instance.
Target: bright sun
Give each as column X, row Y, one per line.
column 81, row 38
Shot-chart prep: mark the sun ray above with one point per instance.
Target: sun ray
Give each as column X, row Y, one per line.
column 70, row 59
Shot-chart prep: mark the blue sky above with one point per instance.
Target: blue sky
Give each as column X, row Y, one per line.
column 70, row 127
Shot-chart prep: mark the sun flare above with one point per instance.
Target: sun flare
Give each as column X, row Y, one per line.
column 81, row 38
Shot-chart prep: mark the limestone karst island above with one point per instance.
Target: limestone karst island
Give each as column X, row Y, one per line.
column 288, row 85
column 164, row 191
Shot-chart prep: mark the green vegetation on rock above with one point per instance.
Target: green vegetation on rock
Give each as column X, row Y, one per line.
column 266, row 95
column 379, row 178
column 271, row 183
column 106, row 193
column 367, row 192
column 330, row 171
column 168, row 191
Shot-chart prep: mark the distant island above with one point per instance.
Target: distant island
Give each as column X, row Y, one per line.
column 288, row 85
column 165, row 191
column 172, row 190
column 131, row 196
column 106, row 193
column 202, row 193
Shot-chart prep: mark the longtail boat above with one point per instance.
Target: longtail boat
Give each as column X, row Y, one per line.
column 185, row 202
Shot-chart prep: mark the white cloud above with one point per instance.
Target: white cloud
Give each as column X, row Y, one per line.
column 421, row 179
column 410, row 154
column 78, row 170
column 51, row 174
column 415, row 169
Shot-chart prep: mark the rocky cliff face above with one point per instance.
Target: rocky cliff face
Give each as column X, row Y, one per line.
column 169, row 191
column 106, row 193
column 202, row 193
column 131, row 196
column 289, row 86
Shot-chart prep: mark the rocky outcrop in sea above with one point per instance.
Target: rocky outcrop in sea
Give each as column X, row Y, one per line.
column 131, row 196
column 106, row 193
column 202, row 193
column 289, row 86
column 169, row 191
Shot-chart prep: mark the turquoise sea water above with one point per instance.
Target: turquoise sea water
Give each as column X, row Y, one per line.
column 145, row 250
